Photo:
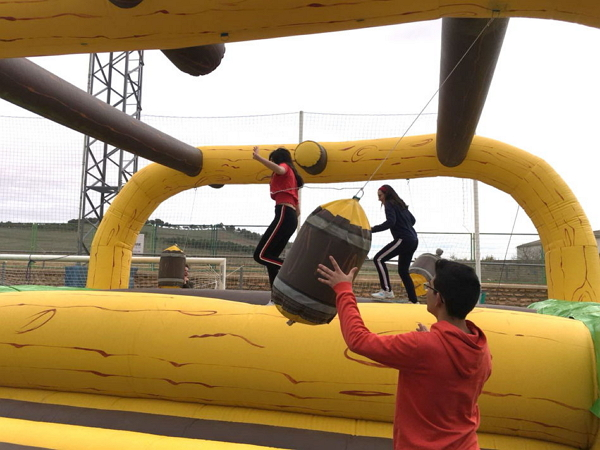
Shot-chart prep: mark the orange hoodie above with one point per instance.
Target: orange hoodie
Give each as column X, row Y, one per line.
column 442, row 373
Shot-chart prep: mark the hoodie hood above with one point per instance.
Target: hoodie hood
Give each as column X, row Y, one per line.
column 466, row 351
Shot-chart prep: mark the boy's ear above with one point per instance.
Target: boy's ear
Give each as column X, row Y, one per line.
column 439, row 303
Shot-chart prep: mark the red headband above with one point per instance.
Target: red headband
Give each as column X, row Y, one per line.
column 383, row 189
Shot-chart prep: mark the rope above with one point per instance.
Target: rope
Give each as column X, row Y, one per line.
column 423, row 109
column 508, row 246
column 192, row 210
column 285, row 190
column 330, row 188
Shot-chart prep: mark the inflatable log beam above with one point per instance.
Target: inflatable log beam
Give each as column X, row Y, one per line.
column 75, row 26
column 28, row 85
column 465, row 77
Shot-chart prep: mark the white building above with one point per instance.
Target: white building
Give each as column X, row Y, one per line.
column 532, row 251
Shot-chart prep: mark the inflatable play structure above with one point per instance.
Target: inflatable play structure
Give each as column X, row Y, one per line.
column 110, row 369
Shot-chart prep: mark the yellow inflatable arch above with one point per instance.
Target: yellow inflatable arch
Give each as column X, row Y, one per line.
column 572, row 265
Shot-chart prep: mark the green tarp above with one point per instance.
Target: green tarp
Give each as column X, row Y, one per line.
column 32, row 287
column 586, row 312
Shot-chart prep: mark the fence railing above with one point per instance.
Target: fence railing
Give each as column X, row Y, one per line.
column 59, row 270
column 505, row 257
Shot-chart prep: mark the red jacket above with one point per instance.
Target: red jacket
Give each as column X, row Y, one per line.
column 284, row 188
column 442, row 373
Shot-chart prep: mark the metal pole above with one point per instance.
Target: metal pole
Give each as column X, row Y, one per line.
column 33, row 243
column 300, row 139
column 476, row 242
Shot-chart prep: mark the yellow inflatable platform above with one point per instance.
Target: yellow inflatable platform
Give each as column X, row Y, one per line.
column 125, row 367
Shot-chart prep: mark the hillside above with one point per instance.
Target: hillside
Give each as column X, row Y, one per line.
column 194, row 240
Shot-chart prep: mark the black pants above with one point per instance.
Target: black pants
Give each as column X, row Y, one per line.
column 275, row 239
column 404, row 250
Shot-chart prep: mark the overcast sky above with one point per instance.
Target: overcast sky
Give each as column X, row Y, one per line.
column 544, row 98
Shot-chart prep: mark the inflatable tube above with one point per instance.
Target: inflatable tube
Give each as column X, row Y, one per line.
column 27, row 85
column 470, row 81
column 74, row 26
column 207, row 358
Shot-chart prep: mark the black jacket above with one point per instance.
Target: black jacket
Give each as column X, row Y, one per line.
column 399, row 221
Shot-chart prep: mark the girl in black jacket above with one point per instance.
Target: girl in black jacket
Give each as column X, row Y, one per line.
column 399, row 221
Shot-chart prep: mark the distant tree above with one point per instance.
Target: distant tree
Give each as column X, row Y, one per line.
column 530, row 254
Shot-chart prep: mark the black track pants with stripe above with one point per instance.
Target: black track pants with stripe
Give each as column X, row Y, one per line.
column 404, row 250
column 275, row 239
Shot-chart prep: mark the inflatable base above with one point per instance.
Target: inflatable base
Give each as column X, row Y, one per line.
column 49, row 420
column 110, row 367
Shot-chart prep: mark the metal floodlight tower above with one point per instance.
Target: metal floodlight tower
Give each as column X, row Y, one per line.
column 115, row 78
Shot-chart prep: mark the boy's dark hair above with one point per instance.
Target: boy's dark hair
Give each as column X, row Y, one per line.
column 458, row 285
column 283, row 155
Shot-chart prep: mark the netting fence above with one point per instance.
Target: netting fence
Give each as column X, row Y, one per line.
column 41, row 169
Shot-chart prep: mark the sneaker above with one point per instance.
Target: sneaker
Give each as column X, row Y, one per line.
column 383, row 295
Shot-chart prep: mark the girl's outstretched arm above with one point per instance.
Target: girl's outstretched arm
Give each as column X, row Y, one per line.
column 268, row 164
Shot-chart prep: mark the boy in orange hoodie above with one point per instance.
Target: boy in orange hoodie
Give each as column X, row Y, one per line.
column 442, row 371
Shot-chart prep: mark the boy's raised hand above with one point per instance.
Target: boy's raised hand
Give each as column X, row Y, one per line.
column 335, row 276
column 421, row 327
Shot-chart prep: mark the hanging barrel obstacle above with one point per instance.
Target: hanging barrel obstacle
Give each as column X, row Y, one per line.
column 199, row 60
column 340, row 229
column 126, row 4
column 423, row 270
column 171, row 268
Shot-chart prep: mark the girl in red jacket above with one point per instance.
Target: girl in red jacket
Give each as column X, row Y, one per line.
column 285, row 183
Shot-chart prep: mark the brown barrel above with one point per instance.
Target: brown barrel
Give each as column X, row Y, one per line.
column 425, row 264
column 339, row 229
column 423, row 270
column 171, row 268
